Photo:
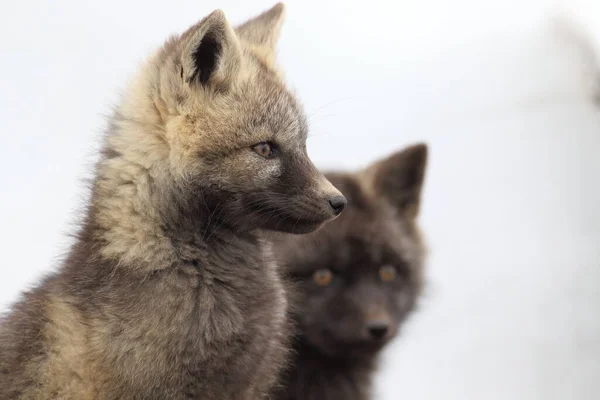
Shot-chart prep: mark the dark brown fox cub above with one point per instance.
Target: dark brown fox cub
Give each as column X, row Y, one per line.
column 357, row 278
column 168, row 291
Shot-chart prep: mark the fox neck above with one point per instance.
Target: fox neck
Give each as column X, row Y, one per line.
column 139, row 218
column 310, row 352
column 315, row 373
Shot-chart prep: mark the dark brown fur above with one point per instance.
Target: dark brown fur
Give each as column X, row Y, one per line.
column 168, row 291
column 344, row 325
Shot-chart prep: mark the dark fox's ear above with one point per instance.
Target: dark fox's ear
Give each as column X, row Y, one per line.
column 262, row 32
column 399, row 178
column 211, row 51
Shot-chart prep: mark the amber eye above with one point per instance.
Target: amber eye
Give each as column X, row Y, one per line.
column 265, row 149
column 387, row 273
column 323, row 277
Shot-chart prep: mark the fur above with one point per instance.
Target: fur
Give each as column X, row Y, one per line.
column 346, row 320
column 169, row 292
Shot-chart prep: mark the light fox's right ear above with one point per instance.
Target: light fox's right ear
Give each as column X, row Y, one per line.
column 399, row 178
column 262, row 32
column 211, row 52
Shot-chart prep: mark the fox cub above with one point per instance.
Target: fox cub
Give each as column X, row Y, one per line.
column 168, row 291
column 356, row 280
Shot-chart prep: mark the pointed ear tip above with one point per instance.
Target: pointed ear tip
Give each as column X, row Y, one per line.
column 275, row 13
column 420, row 150
column 414, row 151
column 279, row 7
column 414, row 156
column 420, row 147
column 217, row 15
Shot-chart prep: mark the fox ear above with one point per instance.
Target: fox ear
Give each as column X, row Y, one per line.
column 399, row 178
column 211, row 51
column 262, row 32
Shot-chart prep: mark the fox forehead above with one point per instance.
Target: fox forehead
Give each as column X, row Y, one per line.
column 271, row 108
column 346, row 253
column 366, row 237
column 266, row 111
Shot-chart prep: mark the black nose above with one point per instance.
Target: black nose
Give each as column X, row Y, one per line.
column 338, row 203
column 378, row 330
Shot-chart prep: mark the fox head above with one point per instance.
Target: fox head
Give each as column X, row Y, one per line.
column 359, row 277
column 211, row 123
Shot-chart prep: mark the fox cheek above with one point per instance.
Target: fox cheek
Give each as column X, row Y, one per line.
column 268, row 173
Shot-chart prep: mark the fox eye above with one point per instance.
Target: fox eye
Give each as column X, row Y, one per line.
column 323, row 277
column 265, row 149
column 387, row 273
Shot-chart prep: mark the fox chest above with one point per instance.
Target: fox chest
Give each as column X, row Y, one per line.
column 214, row 338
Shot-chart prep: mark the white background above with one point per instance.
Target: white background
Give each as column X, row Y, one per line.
column 502, row 96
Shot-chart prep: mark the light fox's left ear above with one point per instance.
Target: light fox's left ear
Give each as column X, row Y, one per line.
column 211, row 53
column 261, row 33
column 400, row 177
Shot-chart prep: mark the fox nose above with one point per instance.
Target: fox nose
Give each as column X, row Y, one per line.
column 378, row 329
column 338, row 203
